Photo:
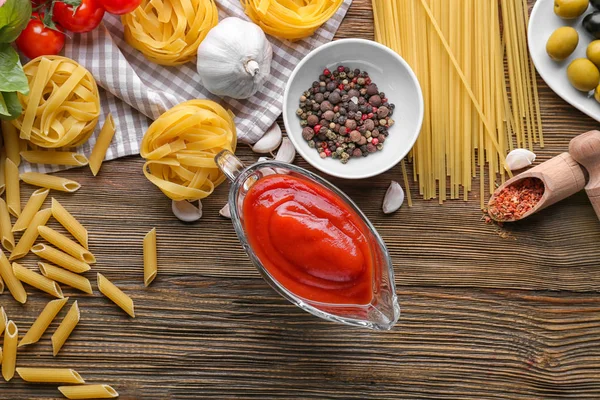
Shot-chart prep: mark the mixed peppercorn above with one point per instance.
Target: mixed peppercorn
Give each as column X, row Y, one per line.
column 344, row 115
column 515, row 200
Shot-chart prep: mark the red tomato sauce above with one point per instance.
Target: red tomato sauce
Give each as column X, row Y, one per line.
column 309, row 240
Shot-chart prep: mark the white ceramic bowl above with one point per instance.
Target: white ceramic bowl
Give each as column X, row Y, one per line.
column 392, row 75
column 542, row 23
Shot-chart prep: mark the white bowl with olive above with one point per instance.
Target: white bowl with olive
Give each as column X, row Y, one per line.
column 564, row 43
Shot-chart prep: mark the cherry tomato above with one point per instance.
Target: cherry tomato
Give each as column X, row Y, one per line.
column 120, row 6
column 86, row 18
column 37, row 40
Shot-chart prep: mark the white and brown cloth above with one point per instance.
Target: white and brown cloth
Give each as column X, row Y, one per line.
column 137, row 91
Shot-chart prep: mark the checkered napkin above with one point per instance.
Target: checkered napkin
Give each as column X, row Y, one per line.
column 137, row 91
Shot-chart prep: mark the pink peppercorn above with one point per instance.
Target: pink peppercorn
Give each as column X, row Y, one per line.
column 370, row 115
column 327, row 152
column 363, row 117
column 326, row 72
column 375, row 141
column 340, row 69
column 317, row 128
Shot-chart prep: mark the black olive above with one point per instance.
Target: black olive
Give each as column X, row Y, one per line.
column 595, row 4
column 591, row 23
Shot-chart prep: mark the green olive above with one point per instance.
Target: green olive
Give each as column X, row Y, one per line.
column 583, row 74
column 593, row 52
column 562, row 43
column 597, row 94
column 570, row 9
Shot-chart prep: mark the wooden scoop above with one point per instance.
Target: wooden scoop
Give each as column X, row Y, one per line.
column 562, row 177
column 585, row 149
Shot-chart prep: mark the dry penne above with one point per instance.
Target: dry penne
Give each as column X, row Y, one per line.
column 150, row 262
column 1, row 285
column 36, row 280
column 3, row 320
column 31, row 208
column 43, row 321
column 116, row 295
column 102, row 143
column 8, row 239
column 70, row 223
column 15, row 287
column 13, row 187
column 88, row 392
column 2, row 166
column 65, row 328
column 31, row 234
column 66, row 277
column 50, row 182
column 55, row 157
column 11, row 142
column 9, row 351
column 60, row 258
column 50, row 375
column 67, row 245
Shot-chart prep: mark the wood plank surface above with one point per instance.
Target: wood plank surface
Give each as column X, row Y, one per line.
column 487, row 312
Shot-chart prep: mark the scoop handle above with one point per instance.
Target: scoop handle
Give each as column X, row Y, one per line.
column 585, row 149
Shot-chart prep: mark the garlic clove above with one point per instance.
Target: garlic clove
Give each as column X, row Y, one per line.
column 267, row 171
column 225, row 211
column 270, row 140
column 519, row 159
column 262, row 159
column 286, row 152
column 394, row 197
column 186, row 211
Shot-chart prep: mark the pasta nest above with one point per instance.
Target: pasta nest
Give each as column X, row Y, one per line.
column 169, row 32
column 63, row 104
column 180, row 147
column 290, row 19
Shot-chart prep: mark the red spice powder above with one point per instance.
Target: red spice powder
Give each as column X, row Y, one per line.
column 515, row 200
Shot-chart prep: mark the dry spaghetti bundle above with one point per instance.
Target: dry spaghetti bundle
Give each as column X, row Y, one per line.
column 180, row 147
column 63, row 105
column 168, row 32
column 470, row 120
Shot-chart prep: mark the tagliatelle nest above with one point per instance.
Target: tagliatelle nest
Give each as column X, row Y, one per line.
column 169, row 32
column 63, row 104
column 180, row 147
column 290, row 19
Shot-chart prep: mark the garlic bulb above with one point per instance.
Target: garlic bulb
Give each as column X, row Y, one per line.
column 234, row 59
column 519, row 159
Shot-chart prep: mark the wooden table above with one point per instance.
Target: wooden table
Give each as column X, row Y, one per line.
column 486, row 313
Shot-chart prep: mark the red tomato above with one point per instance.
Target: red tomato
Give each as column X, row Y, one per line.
column 86, row 18
column 120, row 6
column 37, row 40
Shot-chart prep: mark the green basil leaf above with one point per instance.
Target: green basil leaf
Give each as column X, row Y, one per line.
column 12, row 77
column 74, row 3
column 14, row 17
column 11, row 104
column 47, row 20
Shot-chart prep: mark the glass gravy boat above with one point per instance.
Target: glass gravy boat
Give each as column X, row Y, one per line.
column 383, row 310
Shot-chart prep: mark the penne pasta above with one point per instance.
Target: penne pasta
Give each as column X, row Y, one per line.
column 36, row 280
column 33, row 206
column 50, row 375
column 11, row 142
column 59, row 258
column 1, row 285
column 15, row 287
column 70, row 223
column 65, row 328
column 8, row 239
column 31, row 234
column 55, row 157
column 67, row 245
column 13, row 188
column 2, row 166
column 102, row 144
column 43, row 321
column 3, row 320
column 150, row 262
column 88, row 392
column 50, row 182
column 116, row 295
column 9, row 351
column 66, row 277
